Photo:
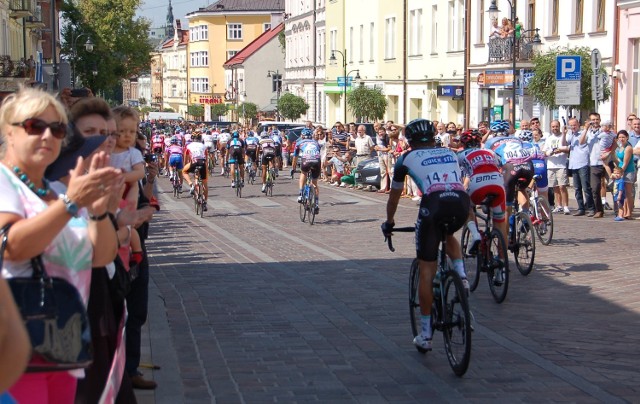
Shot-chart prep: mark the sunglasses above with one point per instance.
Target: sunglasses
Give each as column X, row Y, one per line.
column 35, row 126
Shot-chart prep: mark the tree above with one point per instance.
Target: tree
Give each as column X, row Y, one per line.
column 543, row 85
column 168, row 110
column 283, row 41
column 367, row 103
column 248, row 110
column 145, row 110
column 291, row 106
column 218, row 110
column 196, row 110
column 121, row 49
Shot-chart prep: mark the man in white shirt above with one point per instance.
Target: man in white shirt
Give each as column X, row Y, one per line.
column 556, row 149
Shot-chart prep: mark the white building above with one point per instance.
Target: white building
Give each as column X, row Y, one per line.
column 174, row 70
column 306, row 54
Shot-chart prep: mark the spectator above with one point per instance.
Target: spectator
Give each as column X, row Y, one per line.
column 496, row 31
column 340, row 137
column 579, row 164
column 383, row 148
column 556, row 150
column 623, row 158
column 339, row 165
column 597, row 142
column 44, row 224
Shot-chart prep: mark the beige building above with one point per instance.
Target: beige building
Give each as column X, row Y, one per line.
column 216, row 34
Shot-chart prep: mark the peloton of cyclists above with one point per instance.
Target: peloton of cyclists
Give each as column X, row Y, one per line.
column 309, row 152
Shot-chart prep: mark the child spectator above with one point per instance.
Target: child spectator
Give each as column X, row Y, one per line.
column 619, row 193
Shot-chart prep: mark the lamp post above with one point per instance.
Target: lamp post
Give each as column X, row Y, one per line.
column 333, row 61
column 278, row 82
column 88, row 46
column 493, row 13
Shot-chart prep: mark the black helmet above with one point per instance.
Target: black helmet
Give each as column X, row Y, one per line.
column 419, row 130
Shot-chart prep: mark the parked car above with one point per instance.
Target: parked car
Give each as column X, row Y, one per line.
column 368, row 173
column 293, row 133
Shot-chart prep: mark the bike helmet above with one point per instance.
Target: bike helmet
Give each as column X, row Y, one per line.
column 419, row 130
column 499, row 126
column 526, row 136
column 236, row 135
column 275, row 132
column 196, row 137
column 264, row 134
column 306, row 133
column 470, row 138
column 174, row 140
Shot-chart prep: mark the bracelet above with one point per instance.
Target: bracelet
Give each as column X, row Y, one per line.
column 99, row 217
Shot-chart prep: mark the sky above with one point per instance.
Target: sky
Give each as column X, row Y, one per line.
column 156, row 10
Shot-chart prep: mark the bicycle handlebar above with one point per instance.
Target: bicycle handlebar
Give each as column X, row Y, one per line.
column 399, row 230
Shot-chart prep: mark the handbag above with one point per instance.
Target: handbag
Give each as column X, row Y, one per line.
column 55, row 318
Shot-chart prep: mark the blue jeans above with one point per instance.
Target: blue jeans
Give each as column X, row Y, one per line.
column 582, row 185
column 137, row 304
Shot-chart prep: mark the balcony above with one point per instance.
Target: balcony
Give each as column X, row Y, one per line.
column 501, row 50
column 35, row 21
column 15, row 68
column 21, row 8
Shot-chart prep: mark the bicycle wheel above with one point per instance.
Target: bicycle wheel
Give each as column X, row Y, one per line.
column 497, row 268
column 524, row 250
column 456, row 325
column 544, row 225
column 472, row 262
column 236, row 178
column 303, row 207
column 311, row 206
column 201, row 201
column 414, row 301
column 196, row 199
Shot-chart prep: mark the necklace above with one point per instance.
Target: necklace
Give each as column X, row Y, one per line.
column 41, row 192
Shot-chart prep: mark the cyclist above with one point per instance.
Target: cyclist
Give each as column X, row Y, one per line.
column 252, row 143
column 539, row 160
column 207, row 139
column 196, row 154
column 235, row 155
column 481, row 170
column 515, row 160
column 223, row 139
column 173, row 155
column 267, row 151
column 277, row 140
column 309, row 152
column 157, row 147
column 437, row 172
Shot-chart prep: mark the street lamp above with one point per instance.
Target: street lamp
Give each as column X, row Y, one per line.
column 333, row 61
column 278, row 82
column 493, row 13
column 74, row 55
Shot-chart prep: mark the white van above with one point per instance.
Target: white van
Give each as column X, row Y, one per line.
column 167, row 116
column 282, row 126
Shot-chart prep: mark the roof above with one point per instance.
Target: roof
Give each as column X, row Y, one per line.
column 183, row 40
column 254, row 46
column 246, row 5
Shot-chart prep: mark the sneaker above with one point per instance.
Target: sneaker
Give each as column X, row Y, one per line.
column 299, row 198
column 472, row 248
column 416, row 198
column 566, row 210
column 558, row 210
column 606, row 206
column 316, row 210
column 422, row 342
column 233, row 184
column 498, row 277
column 343, row 185
column 242, row 184
column 204, row 207
column 618, row 219
column 264, row 187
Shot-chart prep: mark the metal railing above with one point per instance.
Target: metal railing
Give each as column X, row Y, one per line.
column 22, row 5
column 501, row 49
column 15, row 68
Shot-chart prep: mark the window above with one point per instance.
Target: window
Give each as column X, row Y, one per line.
column 351, row 45
column 234, row 32
column 456, row 25
column 266, row 26
column 204, row 33
column 481, row 12
column 199, row 33
column 174, row 90
column 199, row 85
column 555, row 21
column 372, row 41
column 434, row 29
column 199, row 59
column 579, row 7
column 361, row 58
column 600, row 14
column 635, row 96
column 231, row 54
column 390, row 38
column 531, row 14
column 333, row 39
column 415, row 39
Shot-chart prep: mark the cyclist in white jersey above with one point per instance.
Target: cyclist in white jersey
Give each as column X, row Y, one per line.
column 196, row 159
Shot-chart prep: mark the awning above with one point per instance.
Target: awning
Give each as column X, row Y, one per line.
column 268, row 108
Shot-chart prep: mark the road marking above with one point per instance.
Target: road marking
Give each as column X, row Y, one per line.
column 263, row 202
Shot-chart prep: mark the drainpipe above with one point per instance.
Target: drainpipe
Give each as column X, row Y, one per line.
column 614, row 58
column 54, row 54
column 405, row 66
column 315, row 69
column 467, row 60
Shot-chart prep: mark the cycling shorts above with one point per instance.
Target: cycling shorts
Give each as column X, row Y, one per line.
column 483, row 185
column 236, row 156
column 278, row 150
column 210, row 147
column 519, row 174
column 540, row 170
column 450, row 207
column 312, row 167
column 175, row 160
column 200, row 165
column 253, row 155
column 157, row 149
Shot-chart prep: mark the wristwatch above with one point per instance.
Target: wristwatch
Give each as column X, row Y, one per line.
column 69, row 205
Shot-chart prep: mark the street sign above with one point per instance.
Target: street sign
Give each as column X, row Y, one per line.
column 597, row 87
column 568, row 76
column 341, row 81
column 596, row 60
column 568, row 68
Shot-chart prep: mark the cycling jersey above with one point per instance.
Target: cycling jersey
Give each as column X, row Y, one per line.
column 197, row 151
column 157, row 142
column 207, row 139
column 481, row 166
column 308, row 150
column 252, row 143
column 432, row 170
column 268, row 149
column 175, row 156
column 539, row 160
column 236, row 151
column 510, row 149
column 223, row 138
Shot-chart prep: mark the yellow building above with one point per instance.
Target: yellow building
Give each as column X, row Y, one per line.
column 217, row 33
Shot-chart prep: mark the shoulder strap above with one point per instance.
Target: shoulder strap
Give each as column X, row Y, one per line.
column 36, row 262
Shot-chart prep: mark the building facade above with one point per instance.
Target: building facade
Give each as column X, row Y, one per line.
column 216, row 34
column 173, row 53
column 305, row 33
column 626, row 71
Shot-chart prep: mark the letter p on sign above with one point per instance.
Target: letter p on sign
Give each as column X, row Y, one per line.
column 568, row 67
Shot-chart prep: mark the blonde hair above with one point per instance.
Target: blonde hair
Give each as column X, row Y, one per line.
column 123, row 112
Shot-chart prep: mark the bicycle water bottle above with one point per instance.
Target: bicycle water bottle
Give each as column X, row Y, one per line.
column 512, row 221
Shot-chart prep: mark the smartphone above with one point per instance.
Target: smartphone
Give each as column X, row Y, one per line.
column 564, row 121
column 79, row 92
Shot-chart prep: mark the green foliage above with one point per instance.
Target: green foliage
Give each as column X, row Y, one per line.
column 218, row 110
column 248, row 110
column 168, row 110
column 291, row 106
column 145, row 110
column 121, row 49
column 367, row 103
column 283, row 41
column 196, row 110
column 543, row 85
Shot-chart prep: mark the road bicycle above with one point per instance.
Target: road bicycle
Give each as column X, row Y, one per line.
column 198, row 194
column 270, row 179
column 450, row 312
column 227, row 170
column 541, row 215
column 238, row 181
column 490, row 256
column 176, row 183
column 522, row 241
column 252, row 174
column 309, row 201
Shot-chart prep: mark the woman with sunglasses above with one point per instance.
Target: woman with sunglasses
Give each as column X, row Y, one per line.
column 64, row 229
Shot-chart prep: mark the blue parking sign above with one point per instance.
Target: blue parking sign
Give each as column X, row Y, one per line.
column 568, row 68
